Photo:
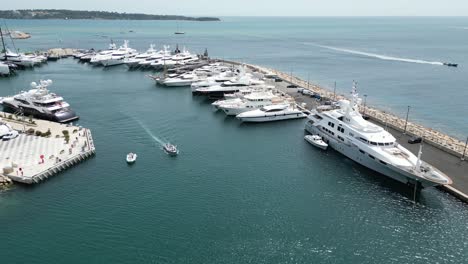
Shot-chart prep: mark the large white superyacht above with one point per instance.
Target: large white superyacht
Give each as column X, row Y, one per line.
column 345, row 130
column 40, row 103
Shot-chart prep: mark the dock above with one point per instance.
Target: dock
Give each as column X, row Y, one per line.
column 42, row 149
column 440, row 150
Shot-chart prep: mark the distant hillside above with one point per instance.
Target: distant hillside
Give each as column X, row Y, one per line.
column 73, row 14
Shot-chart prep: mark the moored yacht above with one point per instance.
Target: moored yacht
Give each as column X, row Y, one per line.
column 345, row 130
column 243, row 81
column 164, row 53
column 134, row 62
column 96, row 58
column 270, row 113
column 41, row 103
column 251, row 102
column 4, row 69
column 180, row 80
column 20, row 59
column 117, row 57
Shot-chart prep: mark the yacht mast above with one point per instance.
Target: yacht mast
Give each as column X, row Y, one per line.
column 11, row 38
column 3, row 44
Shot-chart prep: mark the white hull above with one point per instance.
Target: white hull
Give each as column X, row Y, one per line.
column 270, row 118
column 234, row 111
column 179, row 83
column 112, row 62
column 4, row 69
column 320, row 145
column 353, row 153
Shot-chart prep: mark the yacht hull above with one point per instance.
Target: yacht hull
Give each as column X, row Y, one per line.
column 353, row 153
column 271, row 118
column 63, row 117
column 234, row 111
column 112, row 62
column 178, row 84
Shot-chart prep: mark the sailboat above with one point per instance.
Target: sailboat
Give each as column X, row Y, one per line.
column 179, row 32
column 4, row 68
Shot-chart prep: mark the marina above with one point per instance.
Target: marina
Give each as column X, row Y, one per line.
column 241, row 86
column 220, row 159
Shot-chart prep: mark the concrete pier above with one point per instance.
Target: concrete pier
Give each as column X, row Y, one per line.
column 42, row 149
column 61, row 53
column 440, row 150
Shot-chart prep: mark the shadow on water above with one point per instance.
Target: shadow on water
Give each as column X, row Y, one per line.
column 384, row 182
column 378, row 179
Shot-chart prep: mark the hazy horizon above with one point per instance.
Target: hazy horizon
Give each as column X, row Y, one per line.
column 247, row 8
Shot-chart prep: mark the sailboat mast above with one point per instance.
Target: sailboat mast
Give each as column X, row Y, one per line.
column 3, row 44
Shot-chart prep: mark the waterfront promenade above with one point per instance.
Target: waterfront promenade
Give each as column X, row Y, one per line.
column 42, row 149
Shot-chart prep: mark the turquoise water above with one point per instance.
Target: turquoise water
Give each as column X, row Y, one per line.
column 436, row 93
column 237, row 193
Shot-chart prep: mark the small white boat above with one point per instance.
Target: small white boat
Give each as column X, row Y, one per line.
column 131, row 157
column 317, row 141
column 170, row 149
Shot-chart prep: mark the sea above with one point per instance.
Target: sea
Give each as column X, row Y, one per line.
column 239, row 193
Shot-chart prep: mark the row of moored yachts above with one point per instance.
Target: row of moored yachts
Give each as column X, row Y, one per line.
column 236, row 92
column 340, row 126
column 10, row 61
column 151, row 58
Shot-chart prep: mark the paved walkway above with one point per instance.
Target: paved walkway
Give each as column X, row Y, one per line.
column 29, row 155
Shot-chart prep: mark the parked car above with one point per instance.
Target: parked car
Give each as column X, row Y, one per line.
column 306, row 92
column 316, row 96
column 13, row 134
column 415, row 140
column 291, row 86
column 278, row 80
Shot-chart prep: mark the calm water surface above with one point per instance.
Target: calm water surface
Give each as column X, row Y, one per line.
column 238, row 193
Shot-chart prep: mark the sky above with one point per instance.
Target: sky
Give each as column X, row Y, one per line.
column 257, row 7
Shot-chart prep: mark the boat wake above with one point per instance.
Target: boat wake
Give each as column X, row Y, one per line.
column 378, row 56
column 158, row 140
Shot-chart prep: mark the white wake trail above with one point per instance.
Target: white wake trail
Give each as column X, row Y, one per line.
column 379, row 56
column 149, row 132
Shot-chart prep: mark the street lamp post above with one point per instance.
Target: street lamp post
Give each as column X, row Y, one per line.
column 406, row 122
column 464, row 150
column 334, row 92
column 365, row 104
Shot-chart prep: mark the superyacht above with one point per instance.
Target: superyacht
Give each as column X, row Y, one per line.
column 345, row 130
column 41, row 103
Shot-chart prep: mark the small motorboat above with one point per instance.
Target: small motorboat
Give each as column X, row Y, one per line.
column 131, row 157
column 450, row 64
column 317, row 141
column 170, row 149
